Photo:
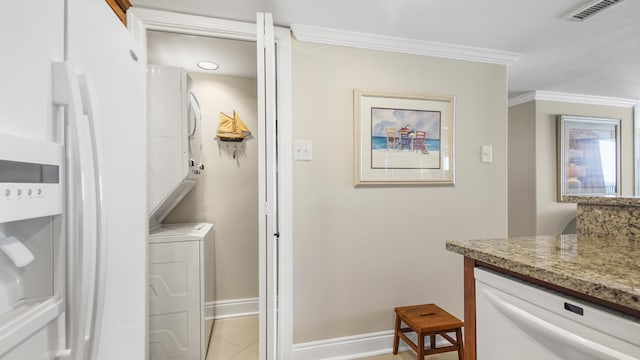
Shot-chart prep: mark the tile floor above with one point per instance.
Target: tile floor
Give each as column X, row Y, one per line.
column 237, row 339
column 234, row 338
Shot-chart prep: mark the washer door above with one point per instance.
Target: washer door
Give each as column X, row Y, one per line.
column 195, row 146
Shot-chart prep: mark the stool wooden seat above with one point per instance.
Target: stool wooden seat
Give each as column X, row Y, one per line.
column 427, row 320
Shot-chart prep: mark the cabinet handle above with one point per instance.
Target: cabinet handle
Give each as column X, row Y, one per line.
column 574, row 308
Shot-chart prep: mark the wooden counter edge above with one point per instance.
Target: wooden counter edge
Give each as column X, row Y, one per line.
column 469, row 309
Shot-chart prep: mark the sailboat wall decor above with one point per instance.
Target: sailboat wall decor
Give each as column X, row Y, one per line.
column 232, row 129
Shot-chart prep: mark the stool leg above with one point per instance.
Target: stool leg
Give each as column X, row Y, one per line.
column 420, row 354
column 432, row 340
column 396, row 339
column 460, row 344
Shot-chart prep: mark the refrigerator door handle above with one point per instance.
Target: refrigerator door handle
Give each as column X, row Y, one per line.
column 552, row 333
column 82, row 221
column 99, row 282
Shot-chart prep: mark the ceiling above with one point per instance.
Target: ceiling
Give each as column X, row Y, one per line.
column 600, row 56
column 234, row 57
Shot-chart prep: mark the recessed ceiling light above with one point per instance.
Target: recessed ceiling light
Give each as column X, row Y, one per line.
column 207, row 65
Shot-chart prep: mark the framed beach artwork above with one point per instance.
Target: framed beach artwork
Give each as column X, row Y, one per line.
column 402, row 139
column 588, row 156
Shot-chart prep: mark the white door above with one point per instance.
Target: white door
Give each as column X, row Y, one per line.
column 28, row 51
column 271, row 332
column 101, row 48
column 267, row 188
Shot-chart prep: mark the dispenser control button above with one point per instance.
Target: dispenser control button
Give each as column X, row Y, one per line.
column 29, row 192
column 19, row 192
column 7, row 192
column 39, row 191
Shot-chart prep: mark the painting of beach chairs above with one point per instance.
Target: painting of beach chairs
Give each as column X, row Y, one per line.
column 403, row 139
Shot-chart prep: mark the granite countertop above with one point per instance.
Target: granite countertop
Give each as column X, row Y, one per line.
column 606, row 269
column 603, row 200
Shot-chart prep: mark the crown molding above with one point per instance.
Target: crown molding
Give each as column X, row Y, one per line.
column 521, row 99
column 572, row 98
column 320, row 35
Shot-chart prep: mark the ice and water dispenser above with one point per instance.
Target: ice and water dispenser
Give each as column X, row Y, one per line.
column 31, row 249
column 26, row 261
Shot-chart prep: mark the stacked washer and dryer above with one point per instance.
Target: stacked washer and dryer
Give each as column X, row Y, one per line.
column 180, row 256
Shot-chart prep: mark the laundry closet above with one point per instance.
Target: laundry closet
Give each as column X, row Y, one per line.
column 203, row 243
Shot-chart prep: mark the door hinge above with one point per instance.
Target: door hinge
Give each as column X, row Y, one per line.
column 267, row 41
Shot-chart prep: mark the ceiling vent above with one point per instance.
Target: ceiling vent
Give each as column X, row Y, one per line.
column 591, row 9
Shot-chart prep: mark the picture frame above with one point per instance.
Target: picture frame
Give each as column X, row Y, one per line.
column 403, row 139
column 588, row 156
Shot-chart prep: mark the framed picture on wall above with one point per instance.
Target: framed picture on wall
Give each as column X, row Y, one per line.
column 402, row 139
column 588, row 156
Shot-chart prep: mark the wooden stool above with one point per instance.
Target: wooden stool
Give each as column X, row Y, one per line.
column 429, row 320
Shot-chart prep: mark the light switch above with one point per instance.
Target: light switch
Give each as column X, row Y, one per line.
column 487, row 154
column 302, row 150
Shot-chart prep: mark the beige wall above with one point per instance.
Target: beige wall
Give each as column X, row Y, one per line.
column 227, row 194
column 359, row 252
column 551, row 216
column 522, row 170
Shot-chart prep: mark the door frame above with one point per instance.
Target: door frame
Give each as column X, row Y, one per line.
column 139, row 21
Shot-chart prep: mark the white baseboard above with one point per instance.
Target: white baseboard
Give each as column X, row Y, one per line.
column 209, row 310
column 231, row 308
column 354, row 347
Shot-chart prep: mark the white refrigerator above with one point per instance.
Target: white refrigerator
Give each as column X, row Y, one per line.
column 73, row 218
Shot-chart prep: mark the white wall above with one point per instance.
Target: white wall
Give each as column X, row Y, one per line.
column 227, row 194
column 360, row 252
